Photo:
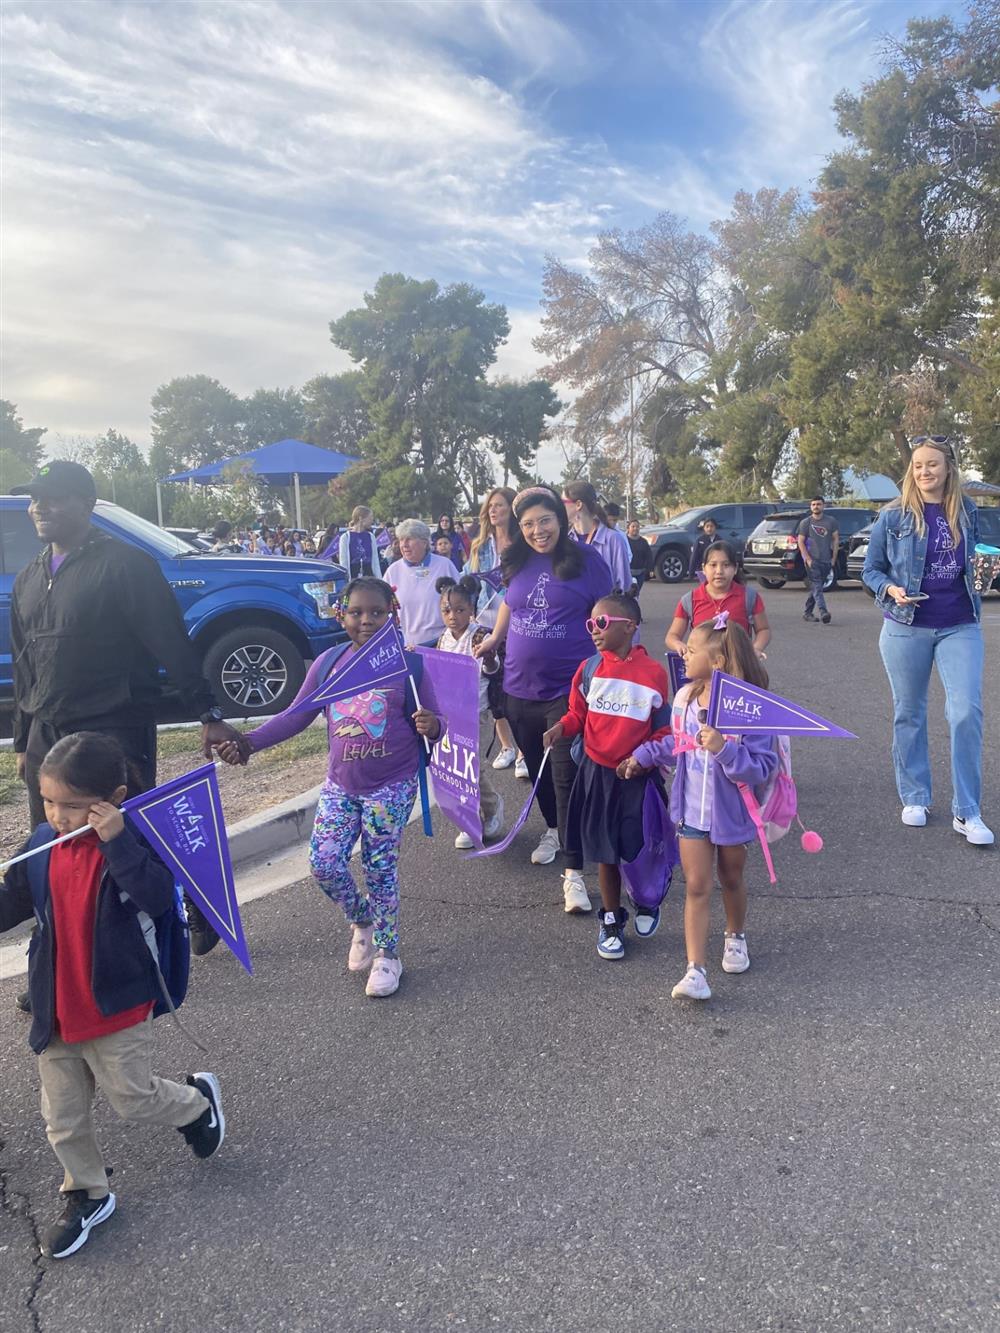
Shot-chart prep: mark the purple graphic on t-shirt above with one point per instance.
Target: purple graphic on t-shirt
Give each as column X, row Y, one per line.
column 944, row 576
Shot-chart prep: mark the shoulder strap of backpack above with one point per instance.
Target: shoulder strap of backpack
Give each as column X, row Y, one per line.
column 749, row 600
column 687, row 605
column 589, row 670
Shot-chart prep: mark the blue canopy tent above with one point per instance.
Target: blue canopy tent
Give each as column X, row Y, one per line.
column 286, row 463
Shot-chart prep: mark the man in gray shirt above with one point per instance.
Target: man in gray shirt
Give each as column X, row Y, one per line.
column 819, row 541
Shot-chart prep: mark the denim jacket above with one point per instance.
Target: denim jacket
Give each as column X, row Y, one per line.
column 896, row 555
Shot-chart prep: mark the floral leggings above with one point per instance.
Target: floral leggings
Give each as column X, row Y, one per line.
column 378, row 819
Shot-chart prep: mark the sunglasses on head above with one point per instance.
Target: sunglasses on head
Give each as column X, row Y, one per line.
column 602, row 622
column 939, row 441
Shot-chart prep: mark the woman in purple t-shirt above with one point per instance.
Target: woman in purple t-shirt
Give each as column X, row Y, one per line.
column 919, row 566
column 552, row 585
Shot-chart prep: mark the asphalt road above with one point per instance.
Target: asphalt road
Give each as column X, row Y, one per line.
column 529, row 1138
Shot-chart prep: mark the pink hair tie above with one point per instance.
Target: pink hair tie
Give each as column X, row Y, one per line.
column 720, row 620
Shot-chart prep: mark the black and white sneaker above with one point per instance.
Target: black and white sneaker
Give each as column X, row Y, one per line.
column 76, row 1221
column 204, row 1136
column 204, row 936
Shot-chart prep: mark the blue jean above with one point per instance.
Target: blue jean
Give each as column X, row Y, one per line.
column 816, row 575
column 908, row 653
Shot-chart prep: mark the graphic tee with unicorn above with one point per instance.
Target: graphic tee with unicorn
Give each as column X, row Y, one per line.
column 944, row 576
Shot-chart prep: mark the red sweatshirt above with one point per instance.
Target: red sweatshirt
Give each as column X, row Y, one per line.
column 625, row 706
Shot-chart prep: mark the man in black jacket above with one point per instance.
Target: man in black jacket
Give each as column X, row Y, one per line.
column 92, row 619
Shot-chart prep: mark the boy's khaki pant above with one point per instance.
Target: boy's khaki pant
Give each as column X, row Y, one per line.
column 489, row 797
column 121, row 1066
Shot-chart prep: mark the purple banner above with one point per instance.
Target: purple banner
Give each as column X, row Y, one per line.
column 380, row 660
column 737, row 706
column 183, row 821
column 648, row 876
column 675, row 670
column 449, row 687
column 495, row 848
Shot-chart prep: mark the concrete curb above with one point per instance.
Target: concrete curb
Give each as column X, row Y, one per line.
column 273, row 829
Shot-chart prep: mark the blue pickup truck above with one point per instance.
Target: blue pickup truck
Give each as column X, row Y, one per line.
column 256, row 620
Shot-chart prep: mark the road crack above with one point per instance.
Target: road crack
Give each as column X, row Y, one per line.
column 15, row 1204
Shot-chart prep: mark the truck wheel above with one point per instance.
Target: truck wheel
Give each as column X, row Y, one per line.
column 671, row 566
column 771, row 583
column 254, row 672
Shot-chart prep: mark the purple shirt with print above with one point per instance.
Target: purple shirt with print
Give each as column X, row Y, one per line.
column 944, row 577
column 547, row 638
column 372, row 742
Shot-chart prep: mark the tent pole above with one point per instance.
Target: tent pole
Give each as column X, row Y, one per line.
column 298, row 500
column 159, row 505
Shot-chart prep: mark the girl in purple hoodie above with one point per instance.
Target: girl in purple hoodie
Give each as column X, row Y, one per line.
column 705, row 800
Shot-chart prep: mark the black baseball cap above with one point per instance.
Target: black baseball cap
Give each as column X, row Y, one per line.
column 58, row 480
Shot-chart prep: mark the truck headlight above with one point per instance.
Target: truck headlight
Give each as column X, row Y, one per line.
column 324, row 595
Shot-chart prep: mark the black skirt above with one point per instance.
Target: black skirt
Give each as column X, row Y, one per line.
column 604, row 819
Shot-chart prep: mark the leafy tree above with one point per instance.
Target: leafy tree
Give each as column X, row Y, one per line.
column 424, row 352
column 270, row 415
column 977, row 397
column 513, row 424
column 20, row 448
column 336, row 413
column 196, row 420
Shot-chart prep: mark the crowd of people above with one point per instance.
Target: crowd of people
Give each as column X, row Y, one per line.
column 545, row 596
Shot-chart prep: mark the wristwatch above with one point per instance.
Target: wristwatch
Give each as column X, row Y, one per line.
column 214, row 714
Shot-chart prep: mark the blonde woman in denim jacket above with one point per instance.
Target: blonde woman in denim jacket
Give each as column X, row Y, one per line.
column 919, row 566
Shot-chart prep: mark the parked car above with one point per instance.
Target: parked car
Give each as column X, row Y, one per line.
column 772, row 551
column 255, row 621
column 672, row 542
column 857, row 552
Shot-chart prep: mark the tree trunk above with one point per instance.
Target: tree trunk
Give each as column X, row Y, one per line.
column 902, row 445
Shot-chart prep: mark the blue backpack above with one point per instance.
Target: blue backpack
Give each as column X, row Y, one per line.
column 576, row 750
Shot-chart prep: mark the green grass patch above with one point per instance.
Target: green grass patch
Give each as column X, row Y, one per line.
column 179, row 741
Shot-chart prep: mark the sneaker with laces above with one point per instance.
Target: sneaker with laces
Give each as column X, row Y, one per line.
column 693, row 985
column 463, row 842
column 521, row 769
column 974, row 830
column 494, row 827
column 826, row 617
column 575, row 897
column 204, row 1136
column 74, row 1224
column 914, row 816
column 383, row 979
column 362, row 949
column 548, row 848
column 646, row 921
column 610, row 936
column 204, row 936
column 735, row 957
column 505, row 758
column 808, row 616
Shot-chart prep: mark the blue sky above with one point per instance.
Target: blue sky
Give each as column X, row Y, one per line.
column 200, row 188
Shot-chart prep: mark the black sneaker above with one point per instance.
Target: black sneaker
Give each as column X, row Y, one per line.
column 204, row 1136
column 826, row 617
column 75, row 1223
column 808, row 615
column 23, row 1001
column 204, row 937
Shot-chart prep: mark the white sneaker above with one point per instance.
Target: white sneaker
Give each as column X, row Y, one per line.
column 362, row 949
column 463, row 842
column 521, row 769
column 575, row 893
column 505, row 758
column 548, row 848
column 493, row 827
column 974, row 830
column 735, row 957
column 915, row 816
column 693, row 985
column 383, row 979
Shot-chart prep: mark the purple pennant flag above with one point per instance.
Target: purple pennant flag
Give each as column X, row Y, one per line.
column 494, row 577
column 379, row 661
column 676, row 672
column 496, row 848
column 449, row 687
column 737, row 706
column 648, row 876
column 183, row 821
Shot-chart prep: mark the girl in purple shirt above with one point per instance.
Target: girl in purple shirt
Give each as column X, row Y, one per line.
column 370, row 787
column 705, row 802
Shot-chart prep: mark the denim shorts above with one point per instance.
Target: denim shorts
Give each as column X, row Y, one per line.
column 686, row 831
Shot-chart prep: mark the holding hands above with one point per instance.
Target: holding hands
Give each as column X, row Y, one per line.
column 230, row 752
column 486, row 648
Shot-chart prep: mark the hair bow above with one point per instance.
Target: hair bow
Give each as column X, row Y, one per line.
column 721, row 620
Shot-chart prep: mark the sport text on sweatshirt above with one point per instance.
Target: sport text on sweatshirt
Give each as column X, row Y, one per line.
column 625, row 706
